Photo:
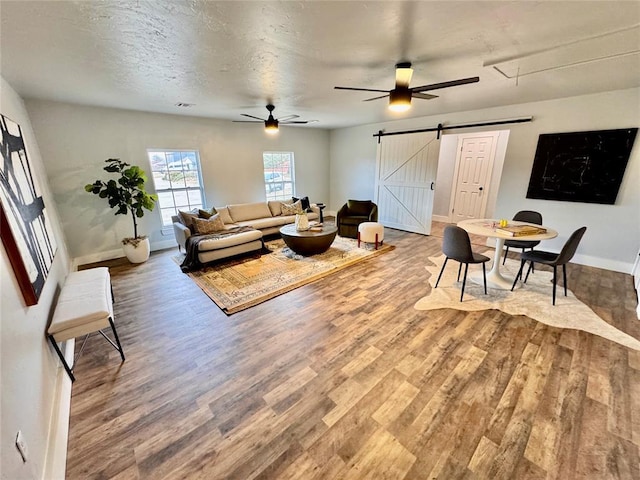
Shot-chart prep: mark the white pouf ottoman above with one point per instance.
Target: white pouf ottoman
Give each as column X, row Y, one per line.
column 371, row 232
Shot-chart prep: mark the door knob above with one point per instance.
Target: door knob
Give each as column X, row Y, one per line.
column 480, row 188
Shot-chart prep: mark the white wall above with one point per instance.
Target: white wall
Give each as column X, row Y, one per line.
column 78, row 139
column 613, row 234
column 30, row 372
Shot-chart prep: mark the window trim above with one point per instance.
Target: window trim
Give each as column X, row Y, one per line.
column 292, row 165
column 166, row 229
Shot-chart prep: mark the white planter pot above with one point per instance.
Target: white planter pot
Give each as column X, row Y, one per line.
column 137, row 253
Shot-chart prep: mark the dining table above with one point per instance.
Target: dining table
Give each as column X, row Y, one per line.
column 488, row 227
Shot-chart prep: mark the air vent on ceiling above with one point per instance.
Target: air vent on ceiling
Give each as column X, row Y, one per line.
column 185, row 105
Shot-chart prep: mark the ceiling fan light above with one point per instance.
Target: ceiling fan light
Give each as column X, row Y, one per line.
column 399, row 100
column 399, row 107
column 271, row 126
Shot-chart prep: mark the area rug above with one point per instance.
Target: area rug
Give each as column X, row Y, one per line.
column 235, row 285
column 532, row 299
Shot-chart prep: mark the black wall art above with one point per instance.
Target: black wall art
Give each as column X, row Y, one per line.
column 581, row 166
column 25, row 228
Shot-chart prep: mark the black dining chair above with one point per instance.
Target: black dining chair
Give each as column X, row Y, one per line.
column 552, row 259
column 456, row 245
column 528, row 216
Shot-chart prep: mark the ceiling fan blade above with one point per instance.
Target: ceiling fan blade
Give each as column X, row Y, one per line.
column 376, row 98
column 248, row 121
column 361, row 89
column 251, row 116
column 288, row 117
column 297, row 122
column 452, row 83
column 424, row 96
column 403, row 76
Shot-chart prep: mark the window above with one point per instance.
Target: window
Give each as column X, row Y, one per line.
column 279, row 178
column 178, row 182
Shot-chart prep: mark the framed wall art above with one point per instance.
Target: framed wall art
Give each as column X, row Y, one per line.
column 583, row 167
column 25, row 228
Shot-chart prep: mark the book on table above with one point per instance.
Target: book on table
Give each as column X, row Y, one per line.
column 521, row 230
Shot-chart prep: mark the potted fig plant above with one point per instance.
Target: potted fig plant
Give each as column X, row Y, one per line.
column 128, row 196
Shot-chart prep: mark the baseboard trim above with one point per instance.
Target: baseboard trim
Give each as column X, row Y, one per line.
column 440, row 218
column 589, row 261
column 55, row 464
column 119, row 253
column 604, row 263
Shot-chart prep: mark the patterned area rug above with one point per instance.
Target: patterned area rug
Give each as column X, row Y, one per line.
column 235, row 285
column 532, row 299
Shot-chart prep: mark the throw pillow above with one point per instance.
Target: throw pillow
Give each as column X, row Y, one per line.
column 207, row 213
column 225, row 215
column 292, row 209
column 305, row 202
column 187, row 218
column 276, row 207
column 210, row 225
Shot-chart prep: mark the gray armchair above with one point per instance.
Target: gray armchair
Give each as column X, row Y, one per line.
column 352, row 214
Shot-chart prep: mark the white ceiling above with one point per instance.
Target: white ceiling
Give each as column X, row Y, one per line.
column 234, row 57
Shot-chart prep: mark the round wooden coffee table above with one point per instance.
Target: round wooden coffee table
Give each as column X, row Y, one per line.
column 308, row 242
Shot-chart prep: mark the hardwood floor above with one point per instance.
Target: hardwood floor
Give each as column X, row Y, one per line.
column 344, row 379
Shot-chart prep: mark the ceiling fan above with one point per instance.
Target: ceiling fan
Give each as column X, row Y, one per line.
column 271, row 124
column 400, row 96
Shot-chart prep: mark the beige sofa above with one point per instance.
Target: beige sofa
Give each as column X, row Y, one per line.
column 264, row 218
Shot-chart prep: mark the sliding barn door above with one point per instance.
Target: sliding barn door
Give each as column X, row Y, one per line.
column 405, row 179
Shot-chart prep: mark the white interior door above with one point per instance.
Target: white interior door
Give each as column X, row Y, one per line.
column 474, row 164
column 405, row 178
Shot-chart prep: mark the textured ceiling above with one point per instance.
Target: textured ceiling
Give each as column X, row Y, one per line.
column 229, row 58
